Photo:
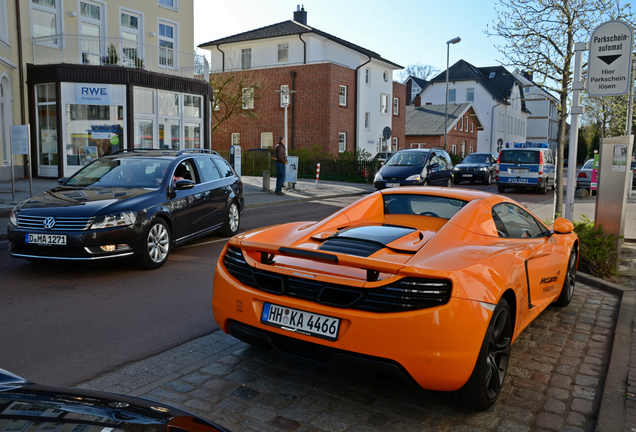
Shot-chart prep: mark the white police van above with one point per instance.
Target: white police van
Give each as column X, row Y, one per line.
column 526, row 165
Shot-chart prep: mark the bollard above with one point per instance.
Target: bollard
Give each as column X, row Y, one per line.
column 266, row 180
column 317, row 172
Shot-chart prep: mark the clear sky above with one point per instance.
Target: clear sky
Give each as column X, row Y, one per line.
column 402, row 31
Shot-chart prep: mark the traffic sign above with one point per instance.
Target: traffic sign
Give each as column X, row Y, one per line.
column 610, row 59
column 386, row 133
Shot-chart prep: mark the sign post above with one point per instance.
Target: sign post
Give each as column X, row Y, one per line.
column 20, row 145
column 610, row 59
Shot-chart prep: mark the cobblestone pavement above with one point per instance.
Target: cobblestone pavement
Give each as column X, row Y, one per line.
column 554, row 383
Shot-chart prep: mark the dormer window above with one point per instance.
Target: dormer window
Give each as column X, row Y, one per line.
column 492, row 75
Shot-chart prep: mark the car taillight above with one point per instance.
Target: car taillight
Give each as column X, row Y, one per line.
column 498, row 159
column 582, row 175
column 540, row 163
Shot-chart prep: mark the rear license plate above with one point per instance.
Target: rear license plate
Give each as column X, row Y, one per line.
column 518, row 171
column 45, row 239
column 467, row 175
column 298, row 321
column 392, row 185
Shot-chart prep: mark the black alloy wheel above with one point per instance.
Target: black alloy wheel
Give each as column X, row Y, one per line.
column 484, row 385
column 567, row 291
column 488, row 179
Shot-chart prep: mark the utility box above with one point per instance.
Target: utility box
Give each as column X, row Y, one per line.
column 614, row 182
column 235, row 158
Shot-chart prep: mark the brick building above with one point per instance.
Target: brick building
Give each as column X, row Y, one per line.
column 342, row 95
column 425, row 127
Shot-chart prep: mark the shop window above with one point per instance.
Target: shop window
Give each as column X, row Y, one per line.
column 192, row 106
column 168, row 104
column 144, row 133
column 46, row 97
column 169, row 134
column 192, row 135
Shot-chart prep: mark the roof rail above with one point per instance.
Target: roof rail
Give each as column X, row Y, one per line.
column 197, row 151
column 132, row 150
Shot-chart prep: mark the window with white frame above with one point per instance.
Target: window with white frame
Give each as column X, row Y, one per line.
column 284, row 95
column 45, row 18
column 131, row 36
column 367, row 121
column 215, row 100
column 367, row 76
column 472, row 126
column 452, row 95
column 167, row 44
column 396, row 106
column 236, row 139
column 267, row 140
column 384, row 103
column 283, row 53
column 91, row 29
column 470, row 95
column 395, row 144
column 466, row 123
column 246, row 58
column 171, row 4
column 4, row 25
column 342, row 98
column 342, row 142
column 248, row 98
column 471, row 149
column 454, row 149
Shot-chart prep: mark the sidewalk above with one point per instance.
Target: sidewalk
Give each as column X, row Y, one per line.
column 616, row 409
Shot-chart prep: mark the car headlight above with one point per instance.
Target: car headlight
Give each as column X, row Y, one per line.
column 417, row 177
column 484, row 169
column 378, row 177
column 456, row 168
column 14, row 216
column 115, row 220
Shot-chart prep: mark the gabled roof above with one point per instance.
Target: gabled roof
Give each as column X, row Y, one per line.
column 289, row 28
column 497, row 80
column 429, row 119
column 421, row 83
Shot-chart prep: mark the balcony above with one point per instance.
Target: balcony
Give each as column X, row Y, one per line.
column 111, row 51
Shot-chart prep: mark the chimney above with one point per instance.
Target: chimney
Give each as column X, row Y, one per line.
column 429, row 103
column 417, row 101
column 300, row 15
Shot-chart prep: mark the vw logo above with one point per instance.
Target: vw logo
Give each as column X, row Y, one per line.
column 49, row 223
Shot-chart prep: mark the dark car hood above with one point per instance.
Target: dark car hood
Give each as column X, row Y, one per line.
column 400, row 171
column 472, row 165
column 66, row 200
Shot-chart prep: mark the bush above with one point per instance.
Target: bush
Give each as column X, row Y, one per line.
column 597, row 252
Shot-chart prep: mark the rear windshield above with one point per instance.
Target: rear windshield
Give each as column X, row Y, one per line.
column 519, row 156
column 422, row 205
column 589, row 164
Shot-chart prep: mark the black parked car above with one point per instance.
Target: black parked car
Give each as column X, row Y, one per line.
column 416, row 167
column 475, row 167
column 28, row 407
column 134, row 205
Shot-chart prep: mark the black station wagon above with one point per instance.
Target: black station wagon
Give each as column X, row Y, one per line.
column 134, row 205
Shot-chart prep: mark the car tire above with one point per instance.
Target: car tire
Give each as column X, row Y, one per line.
column 449, row 183
column 567, row 291
column 488, row 179
column 484, row 385
column 544, row 189
column 156, row 246
column 425, row 182
column 456, row 180
column 501, row 189
column 232, row 220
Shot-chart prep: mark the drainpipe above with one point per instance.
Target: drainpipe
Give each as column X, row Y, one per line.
column 222, row 58
column 355, row 108
column 21, row 74
column 300, row 36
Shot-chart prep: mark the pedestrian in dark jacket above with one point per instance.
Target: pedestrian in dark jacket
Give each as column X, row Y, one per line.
column 280, row 154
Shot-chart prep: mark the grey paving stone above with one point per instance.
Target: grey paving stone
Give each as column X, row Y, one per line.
column 198, row 405
column 195, row 378
column 586, row 380
column 584, row 392
column 261, row 413
column 300, row 412
column 244, row 393
column 179, row 386
column 507, row 425
column 549, row 421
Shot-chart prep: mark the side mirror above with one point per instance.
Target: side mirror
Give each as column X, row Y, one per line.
column 434, row 165
column 184, row 184
column 562, row 226
column 62, row 180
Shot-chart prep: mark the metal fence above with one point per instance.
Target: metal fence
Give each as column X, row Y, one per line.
column 111, row 51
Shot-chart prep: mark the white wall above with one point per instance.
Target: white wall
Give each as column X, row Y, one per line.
column 369, row 101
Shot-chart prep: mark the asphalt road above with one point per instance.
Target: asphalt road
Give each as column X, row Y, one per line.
column 65, row 323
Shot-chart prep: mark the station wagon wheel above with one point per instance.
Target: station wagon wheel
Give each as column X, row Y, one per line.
column 570, row 279
column 156, row 245
column 232, row 220
column 485, row 383
column 425, row 182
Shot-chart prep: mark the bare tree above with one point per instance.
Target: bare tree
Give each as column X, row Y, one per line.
column 540, row 36
column 418, row 70
column 234, row 93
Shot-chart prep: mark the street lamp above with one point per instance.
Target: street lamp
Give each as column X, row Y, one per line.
column 285, row 93
column 452, row 41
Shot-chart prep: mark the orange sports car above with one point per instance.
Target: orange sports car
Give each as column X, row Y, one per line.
column 434, row 283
